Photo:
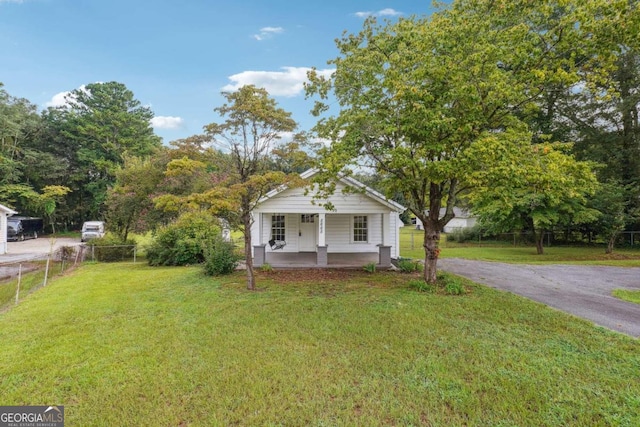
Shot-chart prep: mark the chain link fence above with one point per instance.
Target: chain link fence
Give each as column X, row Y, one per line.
column 551, row 238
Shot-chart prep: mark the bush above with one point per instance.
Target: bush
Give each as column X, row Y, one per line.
column 185, row 241
column 407, row 265
column 66, row 253
column 221, row 259
column 111, row 248
column 370, row 267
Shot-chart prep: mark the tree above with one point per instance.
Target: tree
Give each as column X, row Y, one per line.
column 253, row 124
column 611, row 202
column 19, row 122
column 51, row 196
column 538, row 187
column 26, row 200
column 99, row 125
column 607, row 128
column 131, row 197
column 416, row 95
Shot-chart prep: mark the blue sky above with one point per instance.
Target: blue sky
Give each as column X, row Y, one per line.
column 177, row 56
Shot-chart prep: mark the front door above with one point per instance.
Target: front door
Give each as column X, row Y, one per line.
column 307, row 233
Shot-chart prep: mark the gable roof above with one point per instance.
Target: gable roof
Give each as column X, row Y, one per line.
column 348, row 181
column 7, row 210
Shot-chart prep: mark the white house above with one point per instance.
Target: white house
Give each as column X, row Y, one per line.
column 462, row 220
column 4, row 213
column 287, row 221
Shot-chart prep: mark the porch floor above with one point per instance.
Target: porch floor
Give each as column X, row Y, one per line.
column 309, row 260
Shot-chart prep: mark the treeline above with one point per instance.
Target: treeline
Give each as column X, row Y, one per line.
column 97, row 157
column 60, row 163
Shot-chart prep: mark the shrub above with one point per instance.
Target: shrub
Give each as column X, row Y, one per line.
column 185, row 241
column 370, row 267
column 65, row 253
column 407, row 265
column 266, row 268
column 221, row 258
column 111, row 248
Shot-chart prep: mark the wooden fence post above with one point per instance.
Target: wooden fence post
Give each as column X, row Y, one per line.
column 19, row 280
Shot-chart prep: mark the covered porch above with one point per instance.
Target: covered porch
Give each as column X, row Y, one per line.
column 310, row 260
column 319, row 239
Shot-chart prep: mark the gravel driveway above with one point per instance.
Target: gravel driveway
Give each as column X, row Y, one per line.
column 35, row 248
column 584, row 291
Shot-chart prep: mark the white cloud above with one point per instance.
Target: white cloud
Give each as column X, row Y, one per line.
column 167, row 122
column 267, row 32
column 289, row 82
column 382, row 12
column 58, row 100
column 388, row 12
column 61, row 99
column 363, row 14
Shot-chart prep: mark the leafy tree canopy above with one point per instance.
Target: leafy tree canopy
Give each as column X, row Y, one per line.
column 415, row 95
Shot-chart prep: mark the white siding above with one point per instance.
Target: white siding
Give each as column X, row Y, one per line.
column 291, row 231
column 294, row 200
column 338, row 223
column 340, row 234
column 3, row 233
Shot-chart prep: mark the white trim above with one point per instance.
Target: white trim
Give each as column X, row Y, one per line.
column 352, row 227
column 348, row 181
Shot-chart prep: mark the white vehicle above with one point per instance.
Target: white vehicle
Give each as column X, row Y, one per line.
column 92, row 230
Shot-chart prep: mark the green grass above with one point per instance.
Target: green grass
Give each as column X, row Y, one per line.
column 125, row 344
column 411, row 247
column 627, row 295
column 32, row 278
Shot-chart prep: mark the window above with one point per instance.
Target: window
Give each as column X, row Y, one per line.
column 277, row 227
column 307, row 219
column 360, row 230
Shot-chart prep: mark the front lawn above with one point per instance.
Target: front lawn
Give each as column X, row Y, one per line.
column 125, row 344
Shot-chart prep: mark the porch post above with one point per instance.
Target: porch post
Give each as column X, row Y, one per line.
column 322, row 240
column 259, row 252
column 322, row 257
column 386, row 229
column 384, row 259
column 258, row 226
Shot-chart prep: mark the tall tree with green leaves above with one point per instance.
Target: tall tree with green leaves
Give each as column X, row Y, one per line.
column 19, row 123
column 252, row 124
column 131, row 199
column 607, row 128
column 99, row 125
column 541, row 185
column 417, row 94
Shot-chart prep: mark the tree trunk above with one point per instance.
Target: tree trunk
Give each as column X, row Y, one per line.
column 539, row 242
column 251, row 279
column 610, row 244
column 431, row 252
